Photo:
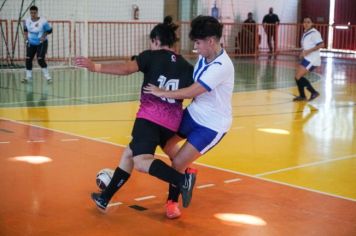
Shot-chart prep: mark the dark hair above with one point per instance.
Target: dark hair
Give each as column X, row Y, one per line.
column 205, row 26
column 165, row 32
column 33, row 8
column 308, row 17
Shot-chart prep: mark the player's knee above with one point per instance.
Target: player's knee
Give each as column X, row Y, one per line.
column 178, row 164
column 28, row 62
column 139, row 164
column 42, row 62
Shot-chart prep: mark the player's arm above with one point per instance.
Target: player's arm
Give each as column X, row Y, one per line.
column 110, row 68
column 316, row 48
column 188, row 92
column 25, row 31
column 47, row 30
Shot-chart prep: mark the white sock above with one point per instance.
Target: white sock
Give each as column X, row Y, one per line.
column 28, row 74
column 46, row 73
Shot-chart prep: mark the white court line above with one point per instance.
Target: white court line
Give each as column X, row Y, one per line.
column 69, row 139
column 278, row 182
column 306, row 165
column 5, row 142
column 102, row 138
column 71, row 98
column 36, row 141
column 64, row 132
column 144, row 198
column 205, row 186
column 231, row 180
column 200, row 164
column 114, row 204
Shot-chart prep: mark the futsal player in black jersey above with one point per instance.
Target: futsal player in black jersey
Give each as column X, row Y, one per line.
column 157, row 119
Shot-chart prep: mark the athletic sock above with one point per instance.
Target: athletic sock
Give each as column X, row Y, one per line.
column 173, row 193
column 164, row 172
column 308, row 85
column 28, row 74
column 46, row 73
column 300, row 87
column 118, row 180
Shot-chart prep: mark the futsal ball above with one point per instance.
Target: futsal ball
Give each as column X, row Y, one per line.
column 103, row 178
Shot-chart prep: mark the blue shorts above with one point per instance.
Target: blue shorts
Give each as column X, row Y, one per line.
column 201, row 137
column 307, row 65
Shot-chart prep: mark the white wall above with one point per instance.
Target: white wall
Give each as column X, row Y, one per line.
column 236, row 10
column 151, row 10
column 96, row 10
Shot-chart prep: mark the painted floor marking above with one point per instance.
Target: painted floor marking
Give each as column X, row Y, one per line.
column 114, row 204
column 306, row 165
column 205, row 186
column 201, row 164
column 69, row 139
column 36, row 141
column 144, row 198
column 231, row 180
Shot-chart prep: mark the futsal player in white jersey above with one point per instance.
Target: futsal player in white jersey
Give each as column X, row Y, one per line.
column 311, row 43
column 36, row 30
column 207, row 119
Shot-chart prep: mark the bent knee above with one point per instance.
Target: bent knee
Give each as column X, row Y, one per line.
column 139, row 165
column 178, row 164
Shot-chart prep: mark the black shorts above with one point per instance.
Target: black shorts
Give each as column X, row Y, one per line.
column 39, row 50
column 146, row 136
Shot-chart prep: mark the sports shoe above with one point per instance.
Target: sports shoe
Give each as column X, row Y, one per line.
column 24, row 80
column 49, row 81
column 313, row 96
column 100, row 202
column 186, row 188
column 172, row 210
column 299, row 99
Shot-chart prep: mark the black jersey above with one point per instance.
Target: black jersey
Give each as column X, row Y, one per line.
column 165, row 69
column 270, row 19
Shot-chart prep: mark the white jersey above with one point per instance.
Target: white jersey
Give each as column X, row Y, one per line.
column 36, row 29
column 212, row 109
column 310, row 39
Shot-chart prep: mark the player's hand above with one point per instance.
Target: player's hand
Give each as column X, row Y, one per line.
column 84, row 62
column 301, row 56
column 43, row 38
column 304, row 53
column 154, row 90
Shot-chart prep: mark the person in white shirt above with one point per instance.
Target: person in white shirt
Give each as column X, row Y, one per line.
column 36, row 30
column 310, row 58
column 209, row 116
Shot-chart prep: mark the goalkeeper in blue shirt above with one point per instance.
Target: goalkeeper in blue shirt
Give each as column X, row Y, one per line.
column 36, row 30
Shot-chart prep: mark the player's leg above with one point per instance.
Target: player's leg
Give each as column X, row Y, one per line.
column 148, row 136
column 302, row 82
column 123, row 171
column 30, row 54
column 121, row 175
column 199, row 141
column 269, row 38
column 310, row 88
column 41, row 58
column 171, row 148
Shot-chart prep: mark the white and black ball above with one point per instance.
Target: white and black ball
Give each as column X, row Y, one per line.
column 103, row 178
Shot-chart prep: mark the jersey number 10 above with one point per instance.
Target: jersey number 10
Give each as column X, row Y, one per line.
column 171, row 84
